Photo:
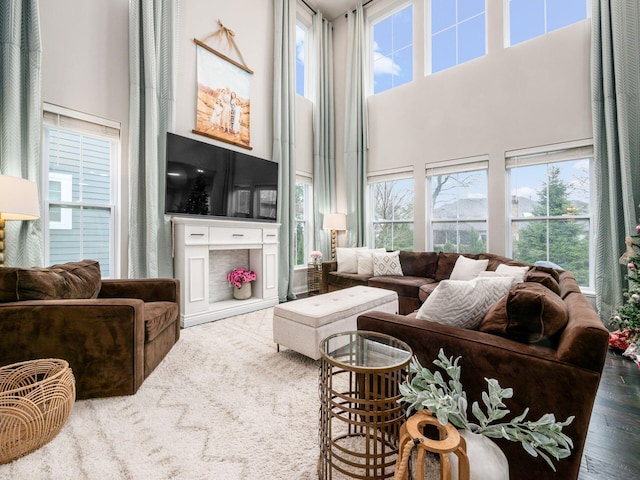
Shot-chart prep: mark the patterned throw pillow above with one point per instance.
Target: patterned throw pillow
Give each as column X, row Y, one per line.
column 463, row 303
column 387, row 263
column 365, row 260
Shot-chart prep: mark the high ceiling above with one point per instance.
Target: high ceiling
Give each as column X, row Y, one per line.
column 332, row 8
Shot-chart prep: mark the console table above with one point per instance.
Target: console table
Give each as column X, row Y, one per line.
column 193, row 241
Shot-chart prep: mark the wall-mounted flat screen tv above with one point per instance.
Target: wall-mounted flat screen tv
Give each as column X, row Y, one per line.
column 212, row 181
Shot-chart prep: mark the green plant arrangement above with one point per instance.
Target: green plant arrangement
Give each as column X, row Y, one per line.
column 447, row 401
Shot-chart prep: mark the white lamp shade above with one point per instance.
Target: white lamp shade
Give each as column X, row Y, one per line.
column 18, row 199
column 335, row 221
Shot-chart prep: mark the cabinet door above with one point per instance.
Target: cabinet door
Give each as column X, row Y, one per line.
column 270, row 271
column 196, row 298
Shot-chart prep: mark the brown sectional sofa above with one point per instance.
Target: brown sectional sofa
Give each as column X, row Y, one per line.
column 422, row 272
column 558, row 375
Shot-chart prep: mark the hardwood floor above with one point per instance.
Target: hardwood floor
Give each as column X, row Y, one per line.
column 612, row 450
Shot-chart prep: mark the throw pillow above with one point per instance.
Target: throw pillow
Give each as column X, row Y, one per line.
column 65, row 281
column 364, row 258
column 387, row 263
column 517, row 272
column 347, row 260
column 543, row 278
column 529, row 313
column 463, row 303
column 467, row 268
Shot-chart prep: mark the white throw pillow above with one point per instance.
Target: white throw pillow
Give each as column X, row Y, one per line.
column 463, row 303
column 468, row 268
column 517, row 272
column 365, row 260
column 387, row 263
column 347, row 260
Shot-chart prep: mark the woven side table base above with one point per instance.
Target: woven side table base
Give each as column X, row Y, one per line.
column 36, row 398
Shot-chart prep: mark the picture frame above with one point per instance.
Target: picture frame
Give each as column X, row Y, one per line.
column 223, row 103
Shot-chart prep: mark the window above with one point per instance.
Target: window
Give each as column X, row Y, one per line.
column 531, row 18
column 391, row 213
column 550, row 213
column 80, row 155
column 302, row 33
column 393, row 50
column 457, row 206
column 304, row 232
column 458, row 32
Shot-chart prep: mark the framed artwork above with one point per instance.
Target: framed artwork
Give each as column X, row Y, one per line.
column 223, row 106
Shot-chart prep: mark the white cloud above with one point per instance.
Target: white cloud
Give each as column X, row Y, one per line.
column 582, row 165
column 300, row 39
column 525, row 192
column 382, row 64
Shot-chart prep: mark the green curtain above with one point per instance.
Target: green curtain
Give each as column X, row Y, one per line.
column 284, row 149
column 153, row 28
column 324, row 138
column 21, row 119
column 355, row 134
column 616, row 134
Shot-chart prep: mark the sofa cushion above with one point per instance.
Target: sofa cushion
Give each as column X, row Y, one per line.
column 427, row 289
column 66, row 281
column 405, row 286
column 446, row 262
column 495, row 260
column 387, row 263
column 345, row 280
column 568, row 284
column 545, row 279
column 157, row 317
column 419, row 264
column 463, row 303
column 467, row 268
column 529, row 313
column 551, row 271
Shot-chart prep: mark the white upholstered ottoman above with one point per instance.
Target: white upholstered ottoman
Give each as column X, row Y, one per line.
column 301, row 324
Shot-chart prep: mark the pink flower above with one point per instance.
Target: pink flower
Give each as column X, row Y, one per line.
column 637, row 228
column 631, row 265
column 239, row 276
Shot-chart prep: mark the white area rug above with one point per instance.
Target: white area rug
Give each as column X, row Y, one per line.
column 222, row 405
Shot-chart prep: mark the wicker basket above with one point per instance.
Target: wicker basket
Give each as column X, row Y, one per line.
column 36, row 398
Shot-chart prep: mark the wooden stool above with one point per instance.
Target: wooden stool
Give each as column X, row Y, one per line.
column 450, row 441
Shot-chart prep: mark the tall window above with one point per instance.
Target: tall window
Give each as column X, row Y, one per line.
column 393, row 50
column 304, row 232
column 458, row 32
column 302, row 34
column 531, row 18
column 391, row 213
column 550, row 211
column 457, row 206
column 80, row 155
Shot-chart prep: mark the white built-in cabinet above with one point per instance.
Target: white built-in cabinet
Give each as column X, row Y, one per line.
column 195, row 239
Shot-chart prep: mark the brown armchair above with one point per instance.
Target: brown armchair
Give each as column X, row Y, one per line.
column 113, row 333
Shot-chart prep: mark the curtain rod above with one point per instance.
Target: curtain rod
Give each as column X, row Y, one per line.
column 310, row 7
column 354, row 10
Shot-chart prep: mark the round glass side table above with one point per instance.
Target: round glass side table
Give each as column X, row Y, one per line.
column 360, row 416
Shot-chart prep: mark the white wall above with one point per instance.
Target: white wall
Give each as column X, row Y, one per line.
column 535, row 93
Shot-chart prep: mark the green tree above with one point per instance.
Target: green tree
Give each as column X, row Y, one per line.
column 561, row 240
column 394, row 203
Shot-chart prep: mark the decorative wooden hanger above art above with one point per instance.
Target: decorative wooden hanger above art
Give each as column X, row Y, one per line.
column 223, row 107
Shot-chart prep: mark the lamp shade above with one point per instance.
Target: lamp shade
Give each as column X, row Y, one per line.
column 18, row 199
column 335, row 221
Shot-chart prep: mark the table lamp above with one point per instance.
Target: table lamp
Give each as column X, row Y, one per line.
column 18, row 201
column 334, row 222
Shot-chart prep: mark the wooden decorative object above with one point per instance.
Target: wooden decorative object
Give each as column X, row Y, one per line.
column 36, row 398
column 449, row 441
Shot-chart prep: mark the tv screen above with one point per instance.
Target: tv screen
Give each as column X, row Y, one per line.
column 208, row 180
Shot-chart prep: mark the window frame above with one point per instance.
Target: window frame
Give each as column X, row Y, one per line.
column 385, row 177
column 429, row 38
column 549, row 155
column 88, row 126
column 506, row 7
column 462, row 165
column 307, row 221
column 377, row 17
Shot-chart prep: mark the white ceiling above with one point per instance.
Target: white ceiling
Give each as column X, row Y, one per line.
column 332, row 8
